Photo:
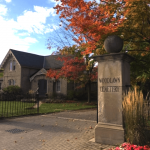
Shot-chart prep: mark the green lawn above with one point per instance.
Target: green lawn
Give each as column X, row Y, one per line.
column 15, row 108
column 56, row 107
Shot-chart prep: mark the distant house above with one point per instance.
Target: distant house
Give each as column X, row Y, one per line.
column 28, row 72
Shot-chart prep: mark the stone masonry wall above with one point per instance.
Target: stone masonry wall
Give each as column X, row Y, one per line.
column 25, row 78
column 14, row 74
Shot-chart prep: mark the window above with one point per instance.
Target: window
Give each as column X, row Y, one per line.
column 11, row 82
column 14, row 65
column 58, row 85
column 10, row 66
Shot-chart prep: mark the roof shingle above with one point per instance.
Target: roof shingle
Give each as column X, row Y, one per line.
column 36, row 61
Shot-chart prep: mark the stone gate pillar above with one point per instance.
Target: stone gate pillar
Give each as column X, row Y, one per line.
column 113, row 78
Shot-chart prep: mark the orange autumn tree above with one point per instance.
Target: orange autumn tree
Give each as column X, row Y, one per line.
column 93, row 22
column 75, row 68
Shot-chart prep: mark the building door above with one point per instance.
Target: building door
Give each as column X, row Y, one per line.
column 42, row 83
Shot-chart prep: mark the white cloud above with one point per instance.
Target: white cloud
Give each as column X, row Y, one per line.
column 16, row 34
column 8, row 1
column 23, row 34
column 9, row 39
column 34, row 21
column 53, row 1
column 3, row 10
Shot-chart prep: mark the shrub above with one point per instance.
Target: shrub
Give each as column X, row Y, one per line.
column 70, row 94
column 12, row 90
column 135, row 120
column 31, row 92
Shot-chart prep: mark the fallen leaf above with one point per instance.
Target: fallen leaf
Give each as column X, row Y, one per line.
column 91, row 127
column 67, row 140
column 75, row 138
column 43, row 140
column 15, row 141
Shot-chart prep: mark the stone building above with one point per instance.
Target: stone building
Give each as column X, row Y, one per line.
column 28, row 72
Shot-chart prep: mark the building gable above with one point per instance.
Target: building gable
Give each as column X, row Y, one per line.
column 40, row 72
column 6, row 58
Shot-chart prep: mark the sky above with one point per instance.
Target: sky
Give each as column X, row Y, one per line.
column 25, row 25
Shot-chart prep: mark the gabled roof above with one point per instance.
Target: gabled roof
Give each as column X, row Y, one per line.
column 52, row 62
column 28, row 60
column 35, row 61
column 40, row 72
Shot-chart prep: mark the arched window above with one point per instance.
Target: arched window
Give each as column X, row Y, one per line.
column 11, row 82
column 14, row 64
column 10, row 68
column 57, row 85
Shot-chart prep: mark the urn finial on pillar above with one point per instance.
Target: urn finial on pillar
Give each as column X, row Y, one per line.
column 113, row 44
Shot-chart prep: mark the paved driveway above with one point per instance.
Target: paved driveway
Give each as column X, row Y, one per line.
column 70, row 130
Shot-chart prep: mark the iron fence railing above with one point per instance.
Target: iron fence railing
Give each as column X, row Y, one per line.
column 16, row 105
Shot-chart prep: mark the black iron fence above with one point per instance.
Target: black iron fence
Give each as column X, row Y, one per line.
column 16, row 105
column 26, row 104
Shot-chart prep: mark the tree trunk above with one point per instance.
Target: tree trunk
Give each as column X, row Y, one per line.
column 89, row 91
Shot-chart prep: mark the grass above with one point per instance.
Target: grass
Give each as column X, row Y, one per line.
column 15, row 108
column 56, row 107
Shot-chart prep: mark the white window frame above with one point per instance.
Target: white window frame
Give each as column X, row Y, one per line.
column 10, row 66
column 14, row 65
column 12, row 82
column 58, row 86
column 9, row 82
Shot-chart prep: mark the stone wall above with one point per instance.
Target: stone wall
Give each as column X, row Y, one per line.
column 25, row 76
column 63, row 86
column 14, row 74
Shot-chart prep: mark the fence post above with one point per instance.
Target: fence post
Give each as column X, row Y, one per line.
column 37, row 100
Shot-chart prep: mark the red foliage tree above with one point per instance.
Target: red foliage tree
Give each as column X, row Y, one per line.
column 74, row 69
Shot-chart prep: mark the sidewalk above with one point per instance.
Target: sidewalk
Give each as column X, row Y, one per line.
column 70, row 130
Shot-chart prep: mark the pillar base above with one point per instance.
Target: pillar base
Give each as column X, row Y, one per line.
column 109, row 134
